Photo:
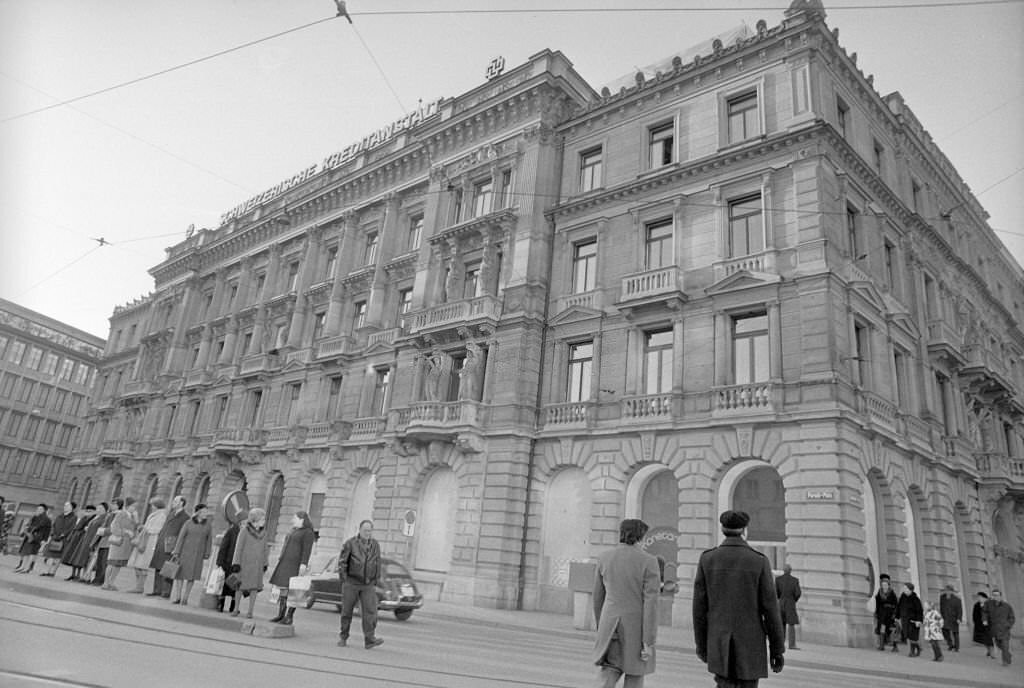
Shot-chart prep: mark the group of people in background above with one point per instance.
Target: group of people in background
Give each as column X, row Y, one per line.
column 905, row 619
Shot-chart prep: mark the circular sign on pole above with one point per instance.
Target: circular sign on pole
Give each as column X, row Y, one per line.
column 234, row 505
column 409, row 523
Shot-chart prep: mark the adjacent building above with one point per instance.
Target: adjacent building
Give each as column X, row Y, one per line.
column 741, row 278
column 46, row 370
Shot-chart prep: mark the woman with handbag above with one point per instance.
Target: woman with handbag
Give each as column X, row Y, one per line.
column 144, row 543
column 76, row 550
column 37, row 531
column 250, row 557
column 193, row 548
column 294, row 561
column 122, row 528
column 54, row 549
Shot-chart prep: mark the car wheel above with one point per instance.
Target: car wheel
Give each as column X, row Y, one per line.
column 403, row 614
column 310, row 602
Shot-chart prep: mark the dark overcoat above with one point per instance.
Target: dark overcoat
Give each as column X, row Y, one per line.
column 885, row 610
column 626, row 598
column 952, row 610
column 226, row 551
column 251, row 556
column 77, row 542
column 911, row 615
column 734, row 609
column 63, row 525
column 89, row 540
column 35, row 534
column 195, row 542
column 981, row 633
column 787, row 589
column 167, row 538
column 999, row 615
column 295, row 552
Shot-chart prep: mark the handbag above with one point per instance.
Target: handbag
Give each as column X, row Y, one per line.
column 233, row 581
column 141, row 539
column 298, row 590
column 55, row 546
column 115, row 539
column 170, row 569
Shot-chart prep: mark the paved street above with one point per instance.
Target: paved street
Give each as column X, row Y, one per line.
column 54, row 633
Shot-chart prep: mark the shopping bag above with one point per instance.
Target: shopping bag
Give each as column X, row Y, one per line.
column 170, row 569
column 298, row 590
column 273, row 594
column 215, row 582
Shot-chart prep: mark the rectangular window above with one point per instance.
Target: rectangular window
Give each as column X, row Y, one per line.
column 207, row 306
column 193, row 419
column 116, row 344
column 889, row 254
column 404, row 305
column 172, row 413
column 470, row 282
column 35, row 355
column 506, row 189
column 584, row 266
column 660, row 145
column 60, row 398
column 232, row 295
column 14, row 421
column 658, row 362
column 581, row 361
column 746, row 226
column 7, row 386
column 194, row 359
column 82, row 372
column 334, row 398
column 55, row 464
column 370, row 249
column 50, row 364
column 750, row 348
column 3, row 345
column 658, row 245
column 293, row 276
column 415, row 234
column 223, row 402
column 131, row 334
column 31, row 430
column 218, row 350
column 590, row 169
column 16, row 352
column 27, row 388
column 64, row 438
column 456, row 205
column 43, row 395
column 862, row 354
column 915, row 197
column 900, row 360
column 246, row 342
column 319, row 319
column 852, row 232
column 257, row 292
column 255, row 406
column 842, row 117
column 359, row 315
column 67, row 368
column 331, row 263
column 49, row 430
column 76, row 404
column 878, row 152
column 380, row 391
column 742, row 113
column 290, row 406
column 482, row 193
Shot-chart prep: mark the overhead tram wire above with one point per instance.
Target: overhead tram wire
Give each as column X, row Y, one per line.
column 168, row 70
column 62, row 269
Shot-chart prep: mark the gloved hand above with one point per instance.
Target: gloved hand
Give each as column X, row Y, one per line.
column 777, row 663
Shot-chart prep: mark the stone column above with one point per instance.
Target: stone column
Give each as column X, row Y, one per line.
column 270, row 285
column 634, row 352
column 231, row 334
column 258, row 332
column 173, row 363
column 204, row 348
column 678, row 366
column 244, row 283
column 774, row 341
column 386, row 238
column 219, row 287
column 296, row 335
column 453, row 284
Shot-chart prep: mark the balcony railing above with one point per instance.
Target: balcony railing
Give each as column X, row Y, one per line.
column 383, row 337
column 259, row 363
column 648, row 407
column 588, row 299
column 139, row 387
column 302, row 356
column 119, row 447
column 335, row 346
column 367, row 428
column 652, row 283
column 570, row 413
column 195, row 378
column 237, row 437
column 482, row 308
column 756, row 397
column 879, row 411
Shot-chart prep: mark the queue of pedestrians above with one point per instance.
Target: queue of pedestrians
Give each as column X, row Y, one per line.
column 906, row 619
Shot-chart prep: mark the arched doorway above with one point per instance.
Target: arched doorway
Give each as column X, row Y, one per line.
column 435, row 533
column 152, row 484
column 116, row 486
column 315, row 502
column 201, row 494
column 874, row 532
column 566, row 536
column 653, row 496
column 756, row 488
column 273, row 508
column 911, row 516
column 73, row 490
column 86, row 491
column 364, row 494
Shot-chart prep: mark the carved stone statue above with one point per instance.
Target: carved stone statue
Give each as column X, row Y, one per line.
column 439, row 367
column 469, row 376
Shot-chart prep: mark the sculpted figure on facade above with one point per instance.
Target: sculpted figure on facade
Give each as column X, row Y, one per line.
column 469, row 376
column 439, row 367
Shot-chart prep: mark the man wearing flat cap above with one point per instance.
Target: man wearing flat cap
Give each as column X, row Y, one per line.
column 952, row 611
column 735, row 609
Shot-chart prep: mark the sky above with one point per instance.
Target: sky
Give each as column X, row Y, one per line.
column 137, row 164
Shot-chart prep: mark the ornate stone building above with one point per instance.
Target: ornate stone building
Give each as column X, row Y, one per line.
column 46, row 369
column 742, row 278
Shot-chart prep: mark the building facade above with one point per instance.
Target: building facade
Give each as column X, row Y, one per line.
column 740, row 279
column 46, row 371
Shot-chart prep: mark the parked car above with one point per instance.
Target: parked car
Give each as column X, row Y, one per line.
column 396, row 591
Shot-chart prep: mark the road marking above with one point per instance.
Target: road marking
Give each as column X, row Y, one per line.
column 24, row 679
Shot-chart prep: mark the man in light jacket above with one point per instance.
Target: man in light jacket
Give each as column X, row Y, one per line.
column 626, row 609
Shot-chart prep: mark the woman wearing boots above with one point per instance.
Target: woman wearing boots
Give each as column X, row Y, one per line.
column 250, row 557
column 144, row 543
column 122, row 528
column 885, row 612
column 37, row 531
column 911, row 617
column 195, row 543
column 933, row 630
column 59, row 534
column 294, row 561
column 981, row 633
column 76, row 551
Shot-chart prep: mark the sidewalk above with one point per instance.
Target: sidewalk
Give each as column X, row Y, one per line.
column 969, row 667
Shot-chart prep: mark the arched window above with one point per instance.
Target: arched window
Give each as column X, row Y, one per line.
column 436, row 523
column 152, row 483
column 116, row 486
column 73, row 490
column 567, row 505
column 86, row 491
column 360, row 508
column 202, row 491
column 757, row 488
column 274, row 499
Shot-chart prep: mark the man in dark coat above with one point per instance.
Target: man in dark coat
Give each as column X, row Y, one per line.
column 62, row 527
column 1000, row 619
column 885, row 612
column 165, row 543
column 36, row 533
column 735, row 607
column 911, row 617
column 787, row 588
column 981, row 633
column 359, row 570
column 626, row 609
column 225, row 555
column 952, row 611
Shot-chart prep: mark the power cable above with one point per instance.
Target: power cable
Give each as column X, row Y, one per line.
column 168, row 70
column 62, row 269
column 129, row 134
column 379, row 68
column 980, row 117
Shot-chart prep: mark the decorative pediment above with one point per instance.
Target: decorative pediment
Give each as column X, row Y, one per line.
column 869, row 293
column 903, row 320
column 741, row 279
column 576, row 314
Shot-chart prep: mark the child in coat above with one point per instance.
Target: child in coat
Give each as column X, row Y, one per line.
column 933, row 630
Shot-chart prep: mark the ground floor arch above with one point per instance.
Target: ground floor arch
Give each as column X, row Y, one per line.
column 435, row 533
column 565, row 534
